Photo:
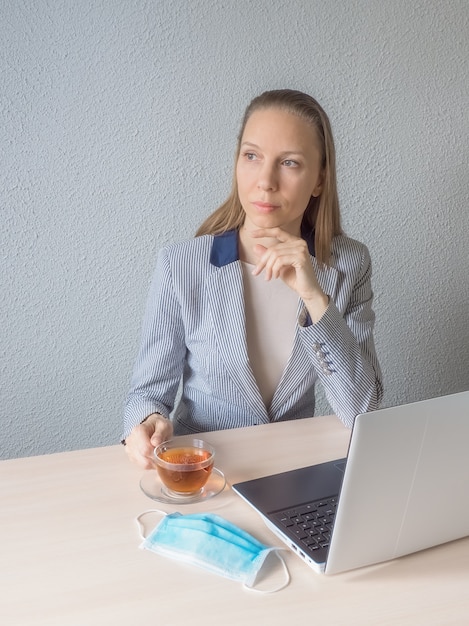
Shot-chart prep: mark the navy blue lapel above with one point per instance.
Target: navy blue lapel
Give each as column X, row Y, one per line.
column 308, row 235
column 224, row 248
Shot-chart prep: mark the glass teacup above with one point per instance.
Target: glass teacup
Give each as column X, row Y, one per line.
column 184, row 465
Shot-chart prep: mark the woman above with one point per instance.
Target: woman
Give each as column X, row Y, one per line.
column 268, row 298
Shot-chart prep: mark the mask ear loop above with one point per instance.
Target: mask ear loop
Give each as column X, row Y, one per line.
column 141, row 527
column 282, row 585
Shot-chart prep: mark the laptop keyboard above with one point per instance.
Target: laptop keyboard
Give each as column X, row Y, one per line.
column 310, row 524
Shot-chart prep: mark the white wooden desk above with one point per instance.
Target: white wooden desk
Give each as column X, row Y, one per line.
column 69, row 548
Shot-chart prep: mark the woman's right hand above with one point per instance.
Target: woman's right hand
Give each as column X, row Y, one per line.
column 144, row 438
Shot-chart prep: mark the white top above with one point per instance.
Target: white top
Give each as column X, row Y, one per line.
column 271, row 317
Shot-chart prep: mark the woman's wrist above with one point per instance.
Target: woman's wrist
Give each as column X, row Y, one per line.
column 317, row 306
column 153, row 417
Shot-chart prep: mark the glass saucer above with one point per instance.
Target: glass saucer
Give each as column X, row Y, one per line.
column 152, row 487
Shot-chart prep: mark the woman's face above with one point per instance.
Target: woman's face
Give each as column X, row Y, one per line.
column 278, row 169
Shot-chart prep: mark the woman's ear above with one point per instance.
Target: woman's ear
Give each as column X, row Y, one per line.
column 317, row 191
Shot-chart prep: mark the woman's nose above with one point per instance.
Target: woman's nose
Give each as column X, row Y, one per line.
column 267, row 180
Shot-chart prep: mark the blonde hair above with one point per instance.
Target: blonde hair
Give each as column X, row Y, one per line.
column 322, row 215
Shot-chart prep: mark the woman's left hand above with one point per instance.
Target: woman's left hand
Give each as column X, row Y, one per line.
column 288, row 258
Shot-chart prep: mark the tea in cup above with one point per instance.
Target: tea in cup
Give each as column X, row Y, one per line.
column 184, row 465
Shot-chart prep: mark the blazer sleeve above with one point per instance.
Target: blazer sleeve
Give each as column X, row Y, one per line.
column 160, row 361
column 342, row 349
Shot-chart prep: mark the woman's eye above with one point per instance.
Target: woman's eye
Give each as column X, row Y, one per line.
column 250, row 156
column 290, row 163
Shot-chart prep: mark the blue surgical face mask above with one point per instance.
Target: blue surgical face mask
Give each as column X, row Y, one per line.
column 213, row 543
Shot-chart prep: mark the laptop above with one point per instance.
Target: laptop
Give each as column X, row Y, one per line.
column 402, row 488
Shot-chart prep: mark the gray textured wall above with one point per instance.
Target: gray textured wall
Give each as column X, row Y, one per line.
column 117, row 128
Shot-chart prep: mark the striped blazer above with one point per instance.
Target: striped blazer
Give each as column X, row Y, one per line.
column 194, row 330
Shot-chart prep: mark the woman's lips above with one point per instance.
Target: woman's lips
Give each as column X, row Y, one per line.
column 265, row 207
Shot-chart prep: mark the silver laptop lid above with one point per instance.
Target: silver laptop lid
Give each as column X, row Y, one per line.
column 405, row 483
